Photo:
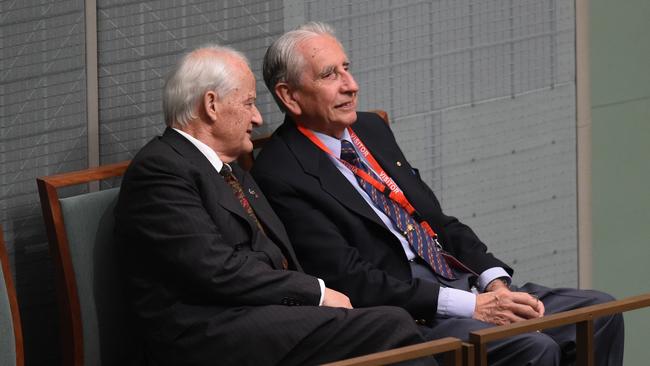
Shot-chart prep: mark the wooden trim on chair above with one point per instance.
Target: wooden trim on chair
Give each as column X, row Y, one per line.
column 13, row 301
column 582, row 317
column 382, row 113
column 449, row 345
column 66, row 285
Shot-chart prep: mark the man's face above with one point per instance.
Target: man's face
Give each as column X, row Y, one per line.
column 327, row 93
column 236, row 115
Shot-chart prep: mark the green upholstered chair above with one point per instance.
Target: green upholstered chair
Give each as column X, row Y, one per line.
column 92, row 307
column 11, row 335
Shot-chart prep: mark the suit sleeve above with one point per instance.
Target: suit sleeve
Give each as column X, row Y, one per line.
column 163, row 214
column 324, row 250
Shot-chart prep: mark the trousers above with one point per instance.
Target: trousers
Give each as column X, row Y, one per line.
column 554, row 346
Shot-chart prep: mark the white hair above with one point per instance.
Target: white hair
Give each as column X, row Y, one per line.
column 196, row 73
column 282, row 61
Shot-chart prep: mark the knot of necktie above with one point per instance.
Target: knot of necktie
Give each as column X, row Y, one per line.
column 226, row 170
column 349, row 154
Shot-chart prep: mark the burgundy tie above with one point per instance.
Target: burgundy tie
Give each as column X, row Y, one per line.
column 230, row 178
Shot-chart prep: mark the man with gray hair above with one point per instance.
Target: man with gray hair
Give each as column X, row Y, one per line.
column 361, row 218
column 211, row 275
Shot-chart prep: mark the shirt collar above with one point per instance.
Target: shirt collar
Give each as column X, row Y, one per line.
column 333, row 143
column 206, row 150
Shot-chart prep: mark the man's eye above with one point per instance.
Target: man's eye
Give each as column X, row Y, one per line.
column 332, row 75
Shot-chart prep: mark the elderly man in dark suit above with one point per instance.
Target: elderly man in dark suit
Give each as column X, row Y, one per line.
column 212, row 276
column 363, row 220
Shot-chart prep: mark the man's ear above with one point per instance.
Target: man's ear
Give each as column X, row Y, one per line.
column 210, row 105
column 287, row 95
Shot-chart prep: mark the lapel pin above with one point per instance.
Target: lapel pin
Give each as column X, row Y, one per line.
column 252, row 192
column 399, row 163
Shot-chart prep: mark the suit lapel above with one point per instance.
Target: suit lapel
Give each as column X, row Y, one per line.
column 317, row 164
column 273, row 246
column 272, row 224
column 225, row 198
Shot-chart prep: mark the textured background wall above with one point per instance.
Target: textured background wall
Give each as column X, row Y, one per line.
column 481, row 95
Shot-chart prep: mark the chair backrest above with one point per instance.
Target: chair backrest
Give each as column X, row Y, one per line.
column 92, row 307
column 11, row 334
column 246, row 160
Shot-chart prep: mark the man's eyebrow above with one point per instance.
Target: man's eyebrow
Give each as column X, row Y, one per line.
column 326, row 70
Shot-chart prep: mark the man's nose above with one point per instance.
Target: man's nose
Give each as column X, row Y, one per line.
column 349, row 84
column 257, row 117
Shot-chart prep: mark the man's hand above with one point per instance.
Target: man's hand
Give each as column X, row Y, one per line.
column 503, row 306
column 335, row 299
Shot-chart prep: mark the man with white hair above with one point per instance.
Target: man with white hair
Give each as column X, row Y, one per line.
column 211, row 275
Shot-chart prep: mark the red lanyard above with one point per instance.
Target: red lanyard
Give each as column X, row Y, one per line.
column 388, row 187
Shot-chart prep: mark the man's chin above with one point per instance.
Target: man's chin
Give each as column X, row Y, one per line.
column 348, row 118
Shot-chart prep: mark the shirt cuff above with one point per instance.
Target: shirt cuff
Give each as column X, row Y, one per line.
column 321, row 283
column 455, row 303
column 490, row 275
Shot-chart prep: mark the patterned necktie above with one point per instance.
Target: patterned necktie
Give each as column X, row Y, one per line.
column 420, row 240
column 232, row 181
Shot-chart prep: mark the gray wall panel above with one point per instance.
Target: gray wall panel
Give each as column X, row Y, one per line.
column 140, row 41
column 42, row 132
column 508, row 170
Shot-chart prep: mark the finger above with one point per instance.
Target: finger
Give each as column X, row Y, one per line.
column 539, row 305
column 524, row 311
column 525, row 299
column 512, row 317
column 541, row 309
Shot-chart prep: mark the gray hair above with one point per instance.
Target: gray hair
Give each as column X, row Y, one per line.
column 282, row 62
column 196, row 73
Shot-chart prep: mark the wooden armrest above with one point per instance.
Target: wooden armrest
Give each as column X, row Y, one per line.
column 582, row 317
column 449, row 345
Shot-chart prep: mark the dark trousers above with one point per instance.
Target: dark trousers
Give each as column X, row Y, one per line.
column 554, row 346
column 356, row 332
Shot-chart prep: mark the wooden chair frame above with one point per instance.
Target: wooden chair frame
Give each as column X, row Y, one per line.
column 582, row 317
column 451, row 347
column 66, row 285
column 13, row 301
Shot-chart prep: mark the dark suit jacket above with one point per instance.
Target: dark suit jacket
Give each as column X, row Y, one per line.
column 341, row 239
column 204, row 282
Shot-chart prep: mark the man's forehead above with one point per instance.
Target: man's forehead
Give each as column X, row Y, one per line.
column 323, row 51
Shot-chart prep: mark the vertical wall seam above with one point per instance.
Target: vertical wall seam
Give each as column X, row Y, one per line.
column 583, row 140
column 92, row 84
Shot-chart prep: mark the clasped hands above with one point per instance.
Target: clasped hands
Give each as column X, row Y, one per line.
column 498, row 305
